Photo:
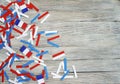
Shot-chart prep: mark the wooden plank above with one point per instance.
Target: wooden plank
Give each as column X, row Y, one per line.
column 79, row 53
column 81, row 65
column 100, row 10
column 86, row 78
column 88, row 10
column 90, row 78
column 84, row 53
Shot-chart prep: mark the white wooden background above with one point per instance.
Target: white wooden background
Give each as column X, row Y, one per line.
column 90, row 36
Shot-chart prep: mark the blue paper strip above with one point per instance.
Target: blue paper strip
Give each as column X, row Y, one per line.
column 17, row 56
column 8, row 34
column 3, row 12
column 33, row 20
column 23, row 71
column 11, row 9
column 46, row 72
column 19, row 0
column 1, row 46
column 41, row 32
column 42, row 53
column 49, row 34
column 39, row 76
column 21, row 80
column 28, row 63
column 4, row 66
column 33, row 49
column 6, row 76
column 65, row 64
column 53, row 44
column 9, row 19
column 12, row 60
column 26, row 42
column 62, row 78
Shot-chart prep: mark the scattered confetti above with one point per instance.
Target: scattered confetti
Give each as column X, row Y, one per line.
column 13, row 27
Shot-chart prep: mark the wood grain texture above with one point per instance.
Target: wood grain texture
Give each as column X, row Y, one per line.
column 90, row 36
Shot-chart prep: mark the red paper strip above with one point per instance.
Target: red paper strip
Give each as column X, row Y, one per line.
column 9, row 5
column 2, row 74
column 17, row 30
column 32, row 6
column 43, row 73
column 3, row 29
column 13, row 21
column 38, row 39
column 52, row 38
column 6, row 14
column 20, row 66
column 11, row 36
column 40, row 57
column 29, row 75
column 2, row 64
column 33, row 26
column 20, row 2
column 1, row 41
column 34, row 66
column 21, row 56
column 33, row 32
column 24, row 74
column 59, row 53
column 14, row 72
column 9, row 57
column 44, row 14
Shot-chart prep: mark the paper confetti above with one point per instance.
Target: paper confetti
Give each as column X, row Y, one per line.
column 28, row 41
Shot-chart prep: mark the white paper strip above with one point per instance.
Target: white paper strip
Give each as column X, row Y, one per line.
column 40, row 63
column 36, row 29
column 19, row 73
column 28, row 1
column 61, row 64
column 28, row 27
column 61, row 76
column 23, row 35
column 24, row 15
column 31, row 38
column 45, row 18
column 59, row 56
column 46, row 32
column 37, row 59
column 75, row 71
